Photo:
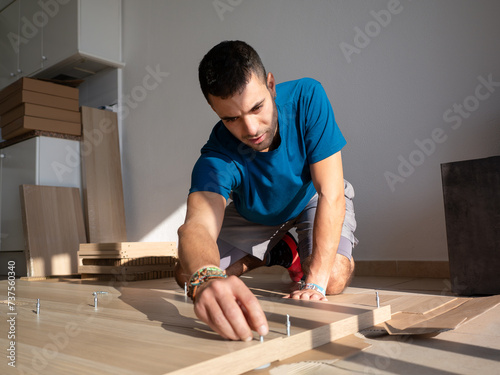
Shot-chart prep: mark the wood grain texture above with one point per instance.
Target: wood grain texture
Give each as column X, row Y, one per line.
column 150, row 328
column 53, row 229
column 102, row 178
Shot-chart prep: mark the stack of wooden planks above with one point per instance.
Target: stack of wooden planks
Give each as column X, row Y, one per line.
column 30, row 104
column 127, row 261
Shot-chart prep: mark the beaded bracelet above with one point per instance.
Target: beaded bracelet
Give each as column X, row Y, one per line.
column 313, row 286
column 202, row 276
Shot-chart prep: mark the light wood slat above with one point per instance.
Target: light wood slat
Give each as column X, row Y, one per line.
column 128, row 246
column 125, row 268
column 102, row 178
column 285, row 347
column 129, row 249
column 53, row 228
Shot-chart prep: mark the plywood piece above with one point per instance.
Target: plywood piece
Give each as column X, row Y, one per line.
column 33, row 110
column 150, row 328
column 117, row 270
column 128, row 249
column 317, row 358
column 37, row 85
column 25, row 96
column 27, row 123
column 254, row 356
column 102, row 178
column 53, row 228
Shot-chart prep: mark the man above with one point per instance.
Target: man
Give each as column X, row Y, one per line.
column 275, row 156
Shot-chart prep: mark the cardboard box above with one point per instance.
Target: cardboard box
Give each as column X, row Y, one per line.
column 33, row 97
column 37, row 85
column 34, row 110
column 27, row 123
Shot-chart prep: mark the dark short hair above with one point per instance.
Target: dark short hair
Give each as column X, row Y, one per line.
column 226, row 69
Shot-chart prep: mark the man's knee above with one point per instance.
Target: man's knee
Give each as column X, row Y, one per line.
column 341, row 276
column 179, row 274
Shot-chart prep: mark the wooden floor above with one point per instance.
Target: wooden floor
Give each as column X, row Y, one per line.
column 148, row 327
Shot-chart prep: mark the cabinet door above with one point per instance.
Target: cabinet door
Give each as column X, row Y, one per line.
column 100, row 28
column 32, row 21
column 9, row 43
column 60, row 34
column 18, row 166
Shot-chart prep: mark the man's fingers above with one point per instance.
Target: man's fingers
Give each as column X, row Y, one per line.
column 235, row 318
column 307, row 294
column 253, row 312
column 230, row 309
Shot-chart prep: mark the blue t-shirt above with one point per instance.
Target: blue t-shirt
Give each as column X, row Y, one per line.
column 275, row 186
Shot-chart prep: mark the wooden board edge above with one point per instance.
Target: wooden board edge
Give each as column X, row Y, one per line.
column 247, row 359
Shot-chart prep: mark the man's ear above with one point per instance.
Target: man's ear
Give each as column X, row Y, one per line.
column 271, row 84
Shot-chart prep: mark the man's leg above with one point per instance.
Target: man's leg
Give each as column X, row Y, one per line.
column 343, row 268
column 342, row 271
column 245, row 264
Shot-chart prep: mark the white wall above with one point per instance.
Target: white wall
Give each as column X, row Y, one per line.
column 392, row 93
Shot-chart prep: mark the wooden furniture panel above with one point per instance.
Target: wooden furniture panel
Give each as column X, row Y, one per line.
column 102, row 177
column 150, row 328
column 53, row 229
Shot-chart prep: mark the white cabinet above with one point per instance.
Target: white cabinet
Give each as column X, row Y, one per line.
column 36, row 161
column 9, row 43
column 47, row 39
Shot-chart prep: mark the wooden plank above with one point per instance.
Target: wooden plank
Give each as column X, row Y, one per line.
column 150, row 328
column 33, row 110
column 130, row 249
column 53, row 229
column 27, row 123
column 125, row 268
column 284, row 347
column 25, row 96
column 37, row 85
column 102, row 178
column 315, row 358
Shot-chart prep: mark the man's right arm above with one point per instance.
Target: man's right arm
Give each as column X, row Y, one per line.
column 198, row 235
column 226, row 305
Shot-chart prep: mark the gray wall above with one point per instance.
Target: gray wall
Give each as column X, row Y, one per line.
column 408, row 96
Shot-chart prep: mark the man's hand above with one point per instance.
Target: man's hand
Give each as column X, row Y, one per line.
column 230, row 309
column 307, row 294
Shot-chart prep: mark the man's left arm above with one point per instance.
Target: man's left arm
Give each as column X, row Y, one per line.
column 328, row 178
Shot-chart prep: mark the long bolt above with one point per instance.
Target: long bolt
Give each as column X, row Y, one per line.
column 377, row 299
column 287, row 325
column 38, row 306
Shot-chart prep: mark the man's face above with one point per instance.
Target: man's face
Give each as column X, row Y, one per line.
column 251, row 116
